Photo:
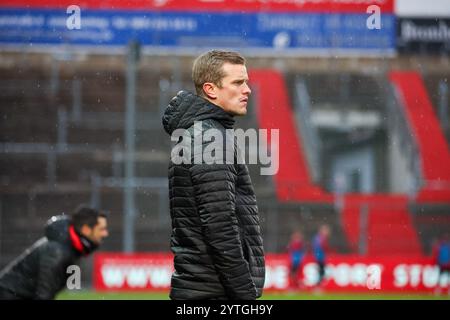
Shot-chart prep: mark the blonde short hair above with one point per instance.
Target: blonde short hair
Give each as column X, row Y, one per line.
column 208, row 67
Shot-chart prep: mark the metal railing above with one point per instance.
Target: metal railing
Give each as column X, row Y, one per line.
column 398, row 124
column 309, row 135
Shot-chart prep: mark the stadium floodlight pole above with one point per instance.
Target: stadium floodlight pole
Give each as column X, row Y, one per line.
column 130, row 140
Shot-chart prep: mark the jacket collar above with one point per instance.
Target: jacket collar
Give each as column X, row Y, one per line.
column 186, row 108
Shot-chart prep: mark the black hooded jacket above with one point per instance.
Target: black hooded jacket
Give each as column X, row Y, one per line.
column 216, row 236
column 41, row 271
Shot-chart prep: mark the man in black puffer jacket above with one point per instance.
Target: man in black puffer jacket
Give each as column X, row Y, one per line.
column 42, row 270
column 216, row 236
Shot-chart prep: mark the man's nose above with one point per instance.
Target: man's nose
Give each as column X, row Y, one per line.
column 247, row 89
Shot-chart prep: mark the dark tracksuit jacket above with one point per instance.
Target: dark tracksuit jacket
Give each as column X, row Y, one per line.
column 41, row 271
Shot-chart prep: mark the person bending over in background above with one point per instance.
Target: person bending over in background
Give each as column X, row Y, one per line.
column 41, row 271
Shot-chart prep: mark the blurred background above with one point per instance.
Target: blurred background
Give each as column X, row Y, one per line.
column 358, row 89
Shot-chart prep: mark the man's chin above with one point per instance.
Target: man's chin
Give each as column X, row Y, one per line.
column 241, row 112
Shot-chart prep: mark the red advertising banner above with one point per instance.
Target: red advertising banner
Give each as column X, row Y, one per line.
column 345, row 273
column 319, row 6
column 137, row 272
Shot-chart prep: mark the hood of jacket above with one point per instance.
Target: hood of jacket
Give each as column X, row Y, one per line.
column 57, row 228
column 186, row 108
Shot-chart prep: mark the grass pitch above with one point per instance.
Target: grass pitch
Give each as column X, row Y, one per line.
column 92, row 295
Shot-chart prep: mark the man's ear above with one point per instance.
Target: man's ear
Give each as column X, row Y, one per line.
column 85, row 230
column 210, row 90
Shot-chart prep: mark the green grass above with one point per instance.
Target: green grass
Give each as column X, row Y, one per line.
column 92, row 295
column 352, row 296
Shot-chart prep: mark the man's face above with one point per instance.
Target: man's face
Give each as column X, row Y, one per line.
column 234, row 92
column 325, row 231
column 98, row 232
